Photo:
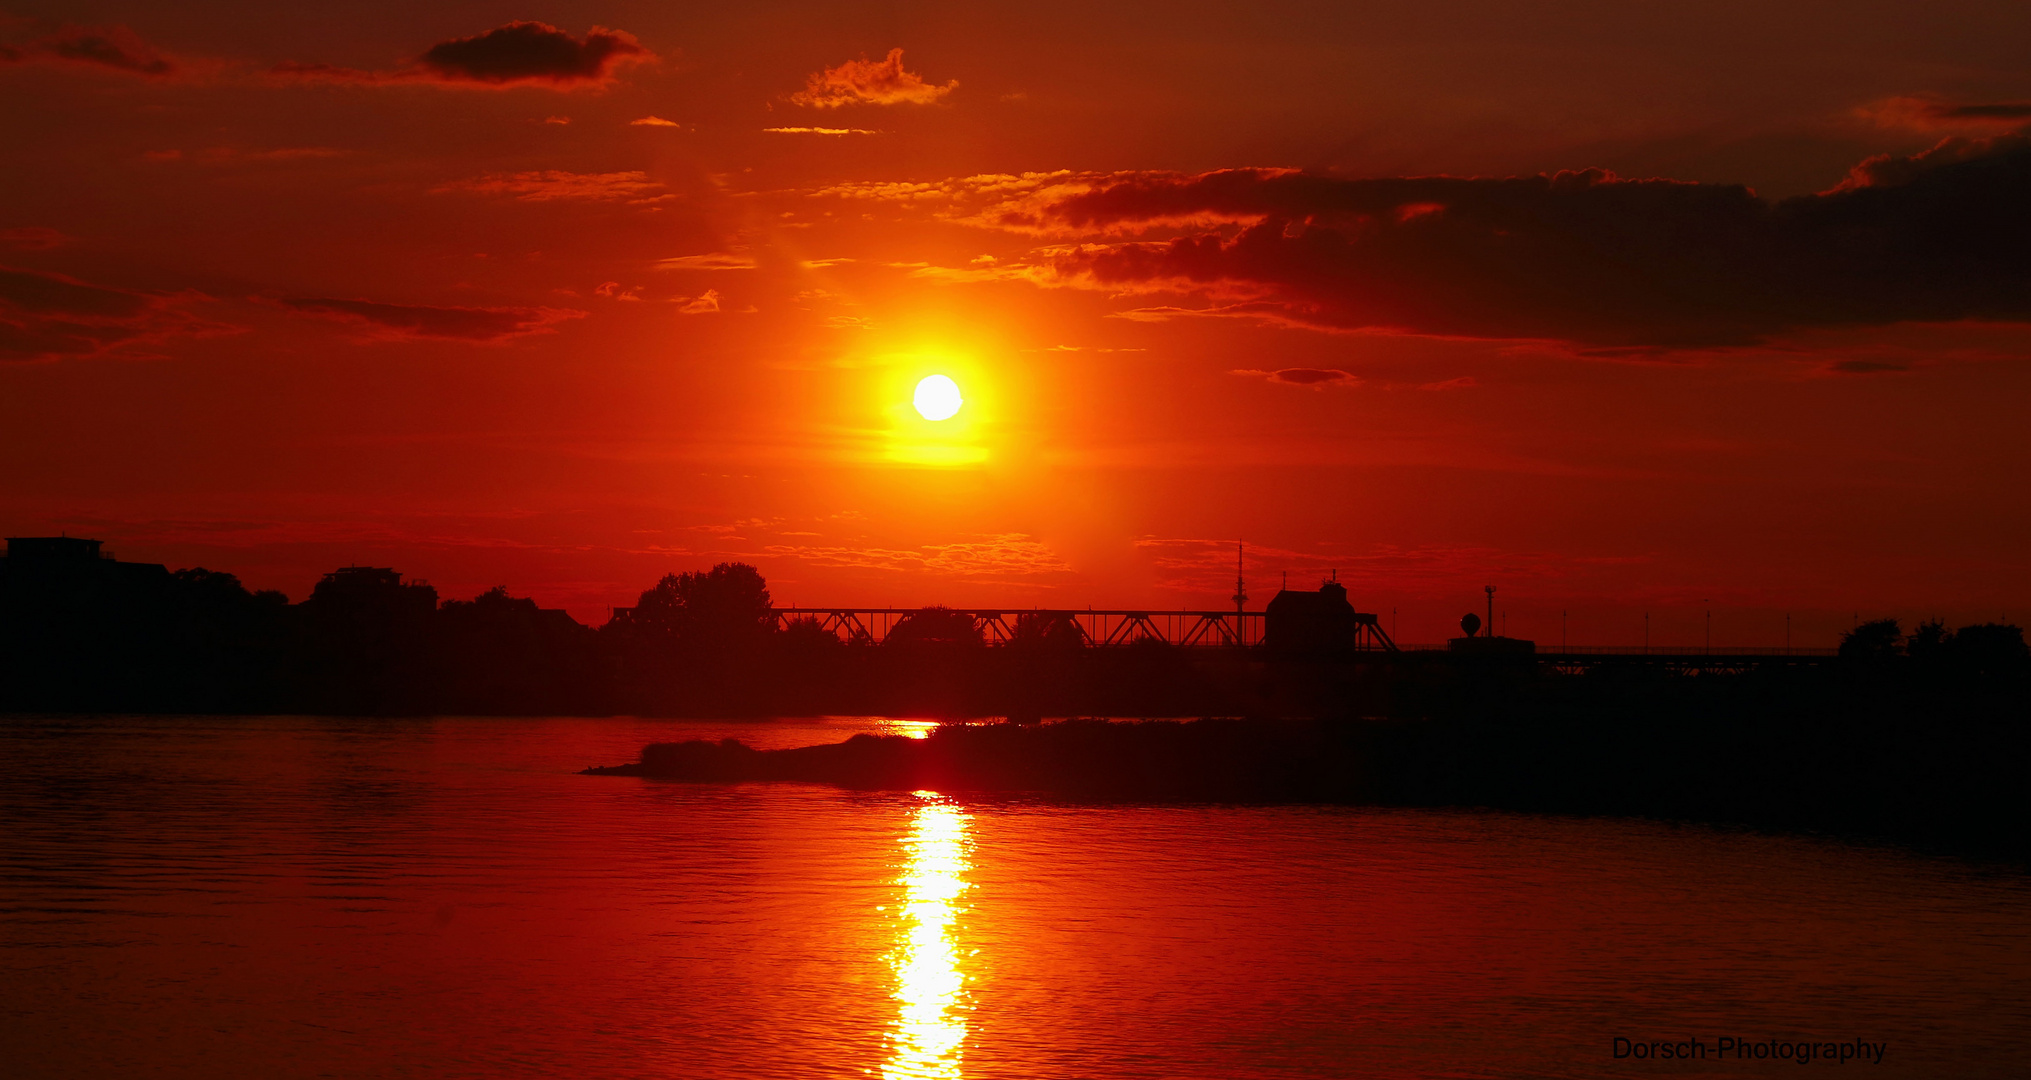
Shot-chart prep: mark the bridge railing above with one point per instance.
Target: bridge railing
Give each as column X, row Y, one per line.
column 1112, row 627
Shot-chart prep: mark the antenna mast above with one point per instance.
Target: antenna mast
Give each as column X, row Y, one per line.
column 1240, row 586
column 1240, row 593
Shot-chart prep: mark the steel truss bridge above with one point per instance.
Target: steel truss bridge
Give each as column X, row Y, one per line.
column 1095, row 627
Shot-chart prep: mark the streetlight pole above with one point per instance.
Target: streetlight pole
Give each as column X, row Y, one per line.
column 1710, row 628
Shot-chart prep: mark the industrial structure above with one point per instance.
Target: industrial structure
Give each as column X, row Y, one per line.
column 1294, row 621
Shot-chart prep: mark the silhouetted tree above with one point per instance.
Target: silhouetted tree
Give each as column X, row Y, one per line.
column 696, row 641
column 725, row 605
column 366, row 644
column 806, row 635
column 1989, row 649
column 1872, row 642
column 504, row 654
column 1047, row 630
column 1929, row 643
column 224, row 644
column 935, row 626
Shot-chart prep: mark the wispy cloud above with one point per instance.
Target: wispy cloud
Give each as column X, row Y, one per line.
column 409, row 321
column 819, row 131
column 1928, row 112
column 551, row 184
column 1316, row 378
column 113, row 48
column 997, row 557
column 717, row 260
column 46, row 316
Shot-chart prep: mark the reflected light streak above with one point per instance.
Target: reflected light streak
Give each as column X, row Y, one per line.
column 930, row 989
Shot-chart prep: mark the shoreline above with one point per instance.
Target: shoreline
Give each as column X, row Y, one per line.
column 1964, row 803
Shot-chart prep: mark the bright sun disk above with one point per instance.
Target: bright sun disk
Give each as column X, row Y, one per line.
column 938, row 397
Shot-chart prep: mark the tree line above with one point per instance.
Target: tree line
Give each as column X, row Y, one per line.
column 102, row 636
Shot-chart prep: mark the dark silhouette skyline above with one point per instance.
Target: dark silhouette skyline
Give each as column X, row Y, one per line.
column 84, row 631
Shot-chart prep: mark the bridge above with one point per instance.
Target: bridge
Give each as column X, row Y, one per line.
column 1117, row 627
column 1095, row 627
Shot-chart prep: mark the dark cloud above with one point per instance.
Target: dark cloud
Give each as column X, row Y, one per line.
column 50, row 316
column 1868, row 367
column 52, row 294
column 455, row 323
column 2001, row 110
column 533, row 52
column 33, row 238
column 114, row 47
column 1926, row 112
column 1305, row 376
column 1581, row 257
column 516, row 54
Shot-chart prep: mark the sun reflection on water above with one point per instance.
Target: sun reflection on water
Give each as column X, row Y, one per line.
column 930, row 989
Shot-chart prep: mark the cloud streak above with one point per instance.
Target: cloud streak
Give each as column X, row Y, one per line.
column 551, row 185
column 52, row 317
column 1925, row 112
column 818, row 131
column 406, row 322
column 998, row 557
column 1316, row 378
column 114, row 48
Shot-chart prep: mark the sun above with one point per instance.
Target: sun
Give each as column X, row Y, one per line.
column 938, row 398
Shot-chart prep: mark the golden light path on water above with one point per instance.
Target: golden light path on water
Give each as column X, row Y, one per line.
column 930, row 989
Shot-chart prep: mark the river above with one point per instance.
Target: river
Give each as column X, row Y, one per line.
column 446, row 897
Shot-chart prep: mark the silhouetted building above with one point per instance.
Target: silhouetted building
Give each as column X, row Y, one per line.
column 72, row 558
column 1320, row 621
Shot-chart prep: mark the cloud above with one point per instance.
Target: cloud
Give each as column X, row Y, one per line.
column 653, row 121
column 718, row 260
column 114, row 47
column 997, row 556
column 552, row 184
column 403, row 321
column 1926, row 112
column 218, row 155
column 707, row 304
column 516, row 54
column 1316, row 378
column 819, row 131
column 866, row 82
column 33, row 238
column 1207, row 566
column 1463, row 382
column 1868, row 367
column 1585, row 257
column 50, row 316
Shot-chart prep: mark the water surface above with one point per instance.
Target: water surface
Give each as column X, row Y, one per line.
column 285, row 897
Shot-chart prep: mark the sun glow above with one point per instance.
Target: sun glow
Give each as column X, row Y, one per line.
column 938, row 398
column 930, row 990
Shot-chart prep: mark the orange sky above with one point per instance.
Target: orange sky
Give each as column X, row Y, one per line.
column 566, row 297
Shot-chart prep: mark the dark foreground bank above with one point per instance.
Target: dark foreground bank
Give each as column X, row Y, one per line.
column 1951, row 783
